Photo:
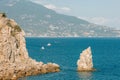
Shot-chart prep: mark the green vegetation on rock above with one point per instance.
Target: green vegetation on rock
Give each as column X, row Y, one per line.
column 3, row 14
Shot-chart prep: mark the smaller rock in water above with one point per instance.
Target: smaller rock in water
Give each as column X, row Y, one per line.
column 85, row 62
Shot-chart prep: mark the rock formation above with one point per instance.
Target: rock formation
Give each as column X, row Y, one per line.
column 14, row 59
column 85, row 62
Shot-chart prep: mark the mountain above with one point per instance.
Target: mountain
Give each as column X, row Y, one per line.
column 38, row 21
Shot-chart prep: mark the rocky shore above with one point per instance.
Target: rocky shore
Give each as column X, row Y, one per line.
column 14, row 59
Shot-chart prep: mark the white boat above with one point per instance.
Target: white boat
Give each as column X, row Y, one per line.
column 48, row 44
column 42, row 47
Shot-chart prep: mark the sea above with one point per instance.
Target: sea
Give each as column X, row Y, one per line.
column 66, row 52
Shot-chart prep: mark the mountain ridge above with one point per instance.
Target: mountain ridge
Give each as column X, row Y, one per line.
column 38, row 21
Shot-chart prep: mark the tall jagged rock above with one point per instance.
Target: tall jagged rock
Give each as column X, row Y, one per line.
column 85, row 62
column 12, row 41
column 14, row 59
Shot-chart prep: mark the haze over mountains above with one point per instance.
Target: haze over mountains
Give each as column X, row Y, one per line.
column 38, row 21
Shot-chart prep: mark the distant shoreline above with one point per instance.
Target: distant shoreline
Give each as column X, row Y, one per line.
column 70, row 37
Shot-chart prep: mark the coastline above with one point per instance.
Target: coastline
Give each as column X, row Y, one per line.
column 14, row 58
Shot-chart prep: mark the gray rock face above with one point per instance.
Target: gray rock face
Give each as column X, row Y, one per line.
column 85, row 62
column 14, row 59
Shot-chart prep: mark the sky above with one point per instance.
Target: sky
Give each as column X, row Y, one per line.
column 103, row 12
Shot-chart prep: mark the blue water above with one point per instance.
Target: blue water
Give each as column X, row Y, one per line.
column 66, row 51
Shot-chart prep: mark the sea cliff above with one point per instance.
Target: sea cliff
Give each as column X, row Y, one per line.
column 14, row 59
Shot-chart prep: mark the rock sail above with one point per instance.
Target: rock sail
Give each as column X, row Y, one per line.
column 14, row 59
column 85, row 62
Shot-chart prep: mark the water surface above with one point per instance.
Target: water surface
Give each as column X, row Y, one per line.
column 66, row 51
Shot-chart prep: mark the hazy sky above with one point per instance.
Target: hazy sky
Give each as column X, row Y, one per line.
column 104, row 12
